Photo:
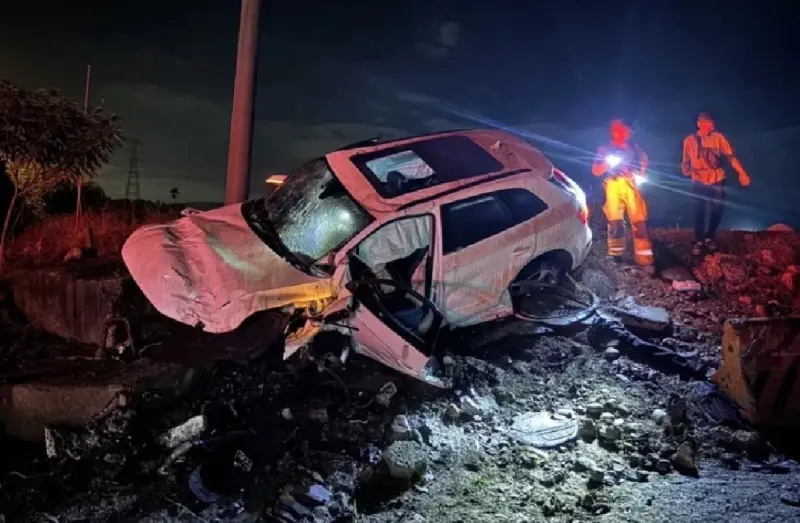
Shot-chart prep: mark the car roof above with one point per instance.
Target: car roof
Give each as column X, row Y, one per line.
column 512, row 154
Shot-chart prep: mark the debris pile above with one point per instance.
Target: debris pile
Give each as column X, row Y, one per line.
column 757, row 271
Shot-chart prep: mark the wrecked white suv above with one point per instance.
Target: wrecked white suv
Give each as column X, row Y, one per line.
column 388, row 242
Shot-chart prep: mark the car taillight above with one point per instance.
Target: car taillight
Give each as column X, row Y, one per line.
column 565, row 183
column 559, row 179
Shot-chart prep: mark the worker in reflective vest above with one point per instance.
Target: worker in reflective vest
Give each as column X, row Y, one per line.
column 623, row 163
column 705, row 156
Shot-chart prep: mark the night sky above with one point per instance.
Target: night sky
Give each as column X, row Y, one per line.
column 336, row 72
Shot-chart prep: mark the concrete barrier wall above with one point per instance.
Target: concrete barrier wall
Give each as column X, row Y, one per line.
column 73, row 300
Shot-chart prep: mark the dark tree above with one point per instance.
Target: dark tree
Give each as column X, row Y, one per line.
column 46, row 139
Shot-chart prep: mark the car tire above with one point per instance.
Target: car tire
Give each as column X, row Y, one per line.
column 544, row 270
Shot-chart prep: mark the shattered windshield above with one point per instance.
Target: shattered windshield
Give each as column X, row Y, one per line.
column 311, row 213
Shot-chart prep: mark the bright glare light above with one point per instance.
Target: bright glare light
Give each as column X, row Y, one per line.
column 639, row 179
column 613, row 160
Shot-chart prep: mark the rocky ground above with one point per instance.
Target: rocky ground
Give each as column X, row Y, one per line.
column 542, row 426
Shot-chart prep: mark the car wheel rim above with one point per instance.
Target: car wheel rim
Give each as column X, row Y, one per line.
column 548, row 276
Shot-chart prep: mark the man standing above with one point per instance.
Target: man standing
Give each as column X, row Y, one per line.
column 702, row 161
column 623, row 162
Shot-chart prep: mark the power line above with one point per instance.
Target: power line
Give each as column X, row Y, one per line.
column 133, row 189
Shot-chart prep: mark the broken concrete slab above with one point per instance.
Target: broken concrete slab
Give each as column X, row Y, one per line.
column 76, row 396
column 633, row 315
column 74, row 300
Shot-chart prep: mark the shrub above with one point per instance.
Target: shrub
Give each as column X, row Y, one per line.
column 49, row 240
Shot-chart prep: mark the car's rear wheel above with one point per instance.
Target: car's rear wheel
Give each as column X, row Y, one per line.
column 550, row 269
column 546, row 272
column 543, row 293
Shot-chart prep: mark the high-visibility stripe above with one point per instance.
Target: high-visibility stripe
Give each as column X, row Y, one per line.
column 616, row 246
column 645, row 252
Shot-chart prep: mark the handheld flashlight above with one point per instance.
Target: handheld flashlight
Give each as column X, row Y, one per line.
column 613, row 160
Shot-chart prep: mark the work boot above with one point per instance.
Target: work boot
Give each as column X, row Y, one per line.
column 697, row 248
column 710, row 246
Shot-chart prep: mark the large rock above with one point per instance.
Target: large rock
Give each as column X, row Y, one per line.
column 74, row 300
column 405, row 460
column 82, row 390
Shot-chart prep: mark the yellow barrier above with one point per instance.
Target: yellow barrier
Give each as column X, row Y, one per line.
column 760, row 369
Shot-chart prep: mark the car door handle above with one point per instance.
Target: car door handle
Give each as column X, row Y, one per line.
column 521, row 250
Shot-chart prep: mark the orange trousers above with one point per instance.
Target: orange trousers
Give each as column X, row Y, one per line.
column 623, row 196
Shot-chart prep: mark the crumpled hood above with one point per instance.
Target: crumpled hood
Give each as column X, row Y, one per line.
column 211, row 268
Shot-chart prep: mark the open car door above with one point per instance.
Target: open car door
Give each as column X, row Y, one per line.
column 397, row 326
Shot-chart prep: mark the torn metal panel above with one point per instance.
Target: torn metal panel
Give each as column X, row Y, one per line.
column 760, row 369
column 210, row 268
column 326, row 321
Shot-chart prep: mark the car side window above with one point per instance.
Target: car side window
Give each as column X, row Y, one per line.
column 523, row 204
column 469, row 221
column 472, row 220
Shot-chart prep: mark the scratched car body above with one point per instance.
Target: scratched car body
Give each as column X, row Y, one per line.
column 390, row 242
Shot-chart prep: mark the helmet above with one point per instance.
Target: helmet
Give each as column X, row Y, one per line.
column 619, row 131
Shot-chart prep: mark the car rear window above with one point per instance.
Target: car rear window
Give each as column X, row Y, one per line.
column 411, row 167
column 467, row 222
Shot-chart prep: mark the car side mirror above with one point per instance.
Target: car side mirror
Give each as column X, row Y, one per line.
column 276, row 179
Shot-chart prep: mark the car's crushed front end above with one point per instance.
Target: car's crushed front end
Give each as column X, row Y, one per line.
column 211, row 270
column 215, row 269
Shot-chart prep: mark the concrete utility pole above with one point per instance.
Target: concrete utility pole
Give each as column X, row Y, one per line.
column 237, row 183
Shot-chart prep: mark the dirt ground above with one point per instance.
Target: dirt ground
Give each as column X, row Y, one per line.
column 338, row 444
